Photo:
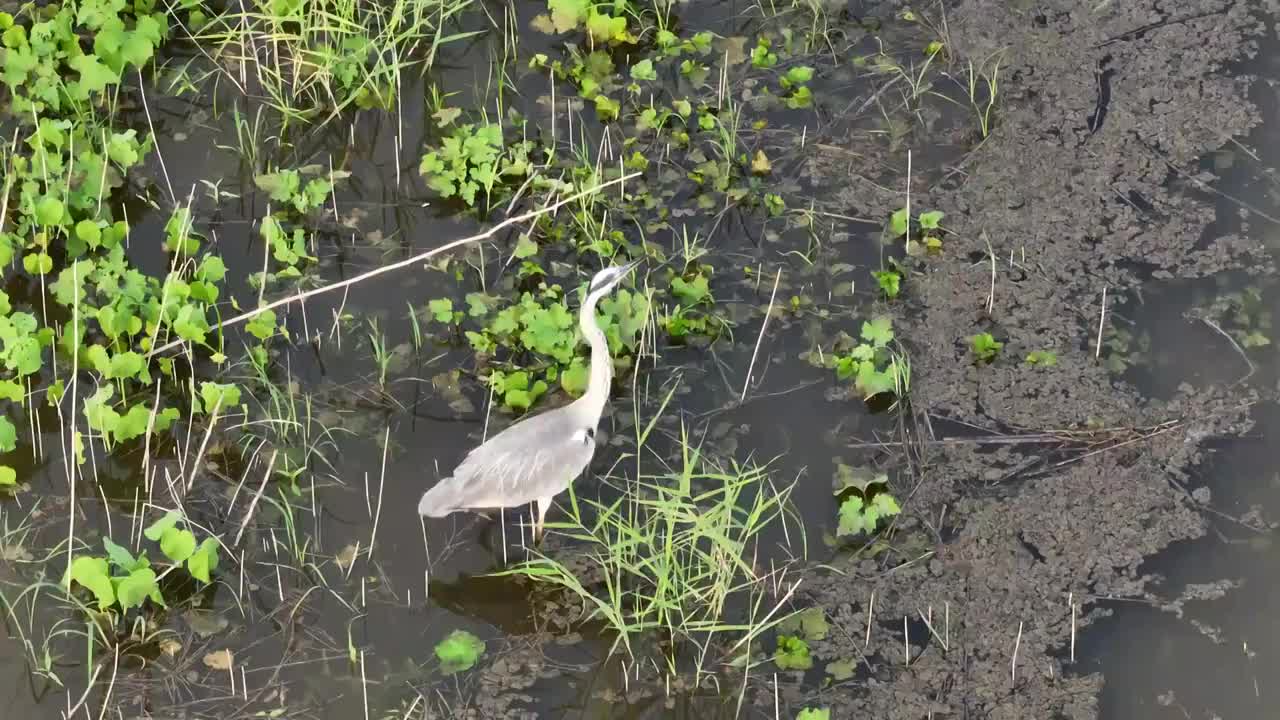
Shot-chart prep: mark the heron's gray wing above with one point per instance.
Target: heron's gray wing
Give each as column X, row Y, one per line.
column 533, row 459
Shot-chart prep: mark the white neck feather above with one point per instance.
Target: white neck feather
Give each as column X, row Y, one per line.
column 593, row 400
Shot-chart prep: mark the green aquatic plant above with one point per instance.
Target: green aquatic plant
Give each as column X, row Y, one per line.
column 668, row 558
column 473, row 158
column 762, row 57
column 1042, row 358
column 121, row 582
column 889, row 281
column 532, row 343
column 922, row 234
column 314, row 60
column 66, row 60
column 458, row 652
column 792, row 653
column 985, row 348
column 795, row 82
column 864, row 499
column 873, row 364
column 286, row 187
column 982, row 86
column 691, row 313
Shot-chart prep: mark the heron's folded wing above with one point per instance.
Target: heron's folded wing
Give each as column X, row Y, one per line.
column 527, row 461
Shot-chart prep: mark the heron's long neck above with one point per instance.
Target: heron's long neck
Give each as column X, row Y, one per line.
column 597, row 394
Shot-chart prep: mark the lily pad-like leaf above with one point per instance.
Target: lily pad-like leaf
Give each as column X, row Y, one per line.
column 840, row 670
column 222, row 396
column 898, row 222
column 810, row 624
column 124, row 559
column 139, row 585
column 91, row 573
column 459, row 651
column 177, row 544
column 929, row 220
column 204, row 560
column 8, row 435
column 878, row 331
column 155, row 530
column 858, row 478
column 792, row 654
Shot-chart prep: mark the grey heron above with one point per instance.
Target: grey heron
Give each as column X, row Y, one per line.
column 539, row 457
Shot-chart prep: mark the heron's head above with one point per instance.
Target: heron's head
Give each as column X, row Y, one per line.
column 608, row 278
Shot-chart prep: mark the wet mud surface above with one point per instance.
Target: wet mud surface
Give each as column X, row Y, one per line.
column 1092, row 183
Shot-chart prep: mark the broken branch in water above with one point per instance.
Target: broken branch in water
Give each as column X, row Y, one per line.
column 406, row 262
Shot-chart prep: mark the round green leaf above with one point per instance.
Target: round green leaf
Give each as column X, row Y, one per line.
column 49, row 210
column 89, row 232
column 177, row 545
column 204, row 560
column 133, row 590
column 459, row 651
column 91, row 573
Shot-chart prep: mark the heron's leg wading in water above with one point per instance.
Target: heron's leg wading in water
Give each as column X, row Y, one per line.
column 544, row 504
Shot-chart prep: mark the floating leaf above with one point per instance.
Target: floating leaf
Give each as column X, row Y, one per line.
column 134, row 590
column 441, row 309
column 567, row 14
column 930, row 220
column 856, row 478
column 122, row 558
column 8, row 435
column 814, row 714
column 840, row 670
column 8, row 476
column 220, row 660
column 760, row 164
column 643, row 70
column 204, row 560
column 177, row 544
column 92, row 574
column 898, row 222
column 810, row 624
column 792, row 654
column 878, row 331
column 459, row 651
column 221, row 396
column 155, row 530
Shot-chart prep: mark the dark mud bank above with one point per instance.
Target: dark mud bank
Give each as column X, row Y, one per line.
column 1090, row 186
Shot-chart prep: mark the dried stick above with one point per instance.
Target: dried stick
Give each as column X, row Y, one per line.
column 524, row 217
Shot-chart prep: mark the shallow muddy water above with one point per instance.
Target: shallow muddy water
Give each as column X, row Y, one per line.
column 1087, row 539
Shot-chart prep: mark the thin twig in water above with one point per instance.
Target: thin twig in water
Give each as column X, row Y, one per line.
column 1013, row 665
column 382, row 476
column 991, row 294
column 763, row 326
column 1235, row 345
column 254, row 504
column 1071, row 601
column 1102, row 320
column 297, row 297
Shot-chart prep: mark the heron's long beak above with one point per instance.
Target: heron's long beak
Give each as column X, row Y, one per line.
column 630, row 266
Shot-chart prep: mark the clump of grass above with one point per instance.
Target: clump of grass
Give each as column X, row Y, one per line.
column 311, row 57
column 674, row 553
